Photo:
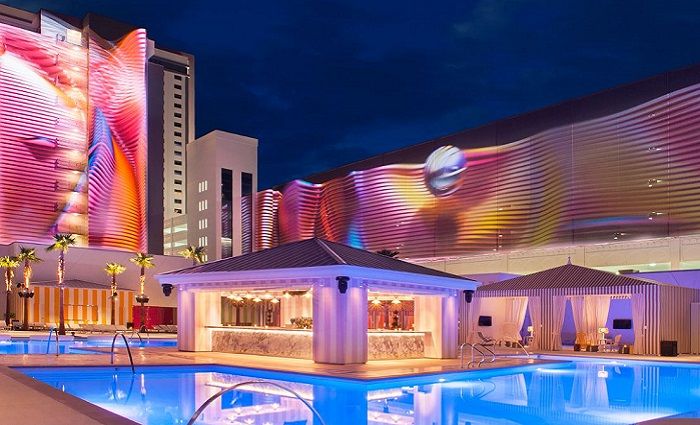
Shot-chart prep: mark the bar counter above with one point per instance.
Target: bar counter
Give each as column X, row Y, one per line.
column 298, row 343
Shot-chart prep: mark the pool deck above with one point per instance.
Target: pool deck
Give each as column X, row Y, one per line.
column 22, row 394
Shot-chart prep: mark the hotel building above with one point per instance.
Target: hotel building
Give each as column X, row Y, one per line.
column 92, row 112
column 609, row 180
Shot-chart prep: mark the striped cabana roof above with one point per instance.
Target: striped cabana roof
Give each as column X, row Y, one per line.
column 568, row 276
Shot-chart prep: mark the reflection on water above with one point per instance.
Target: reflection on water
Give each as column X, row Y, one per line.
column 572, row 393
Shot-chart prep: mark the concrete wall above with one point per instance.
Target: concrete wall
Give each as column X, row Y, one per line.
column 651, row 255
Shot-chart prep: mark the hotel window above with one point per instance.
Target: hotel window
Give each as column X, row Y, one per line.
column 178, row 162
column 178, row 211
column 178, row 124
column 178, row 153
column 178, row 143
column 178, row 134
column 246, row 213
column 226, row 212
column 202, row 186
column 178, row 181
column 178, row 115
column 178, row 77
column 178, row 87
column 178, row 96
column 178, row 172
column 178, row 201
column 178, row 106
column 203, row 205
column 203, row 240
column 203, row 223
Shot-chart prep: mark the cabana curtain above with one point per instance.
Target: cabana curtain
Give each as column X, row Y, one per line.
column 558, row 309
column 534, row 307
column 638, row 305
column 590, row 313
column 473, row 319
column 514, row 318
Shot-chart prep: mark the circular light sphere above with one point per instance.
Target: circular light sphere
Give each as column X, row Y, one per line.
column 444, row 170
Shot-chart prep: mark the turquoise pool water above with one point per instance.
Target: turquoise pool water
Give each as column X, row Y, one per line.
column 572, row 392
column 73, row 347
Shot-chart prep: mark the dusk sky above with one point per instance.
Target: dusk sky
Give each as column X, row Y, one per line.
column 325, row 83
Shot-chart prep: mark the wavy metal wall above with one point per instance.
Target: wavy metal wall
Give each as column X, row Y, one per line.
column 72, row 139
column 622, row 175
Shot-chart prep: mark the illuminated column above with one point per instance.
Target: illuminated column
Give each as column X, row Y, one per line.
column 340, row 323
column 437, row 316
column 196, row 311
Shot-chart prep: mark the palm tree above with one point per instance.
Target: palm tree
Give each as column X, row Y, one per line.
column 9, row 264
column 144, row 261
column 195, row 253
column 28, row 256
column 113, row 269
column 61, row 243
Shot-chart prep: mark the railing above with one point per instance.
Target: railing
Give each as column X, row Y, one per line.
column 483, row 351
column 523, row 348
column 48, row 342
column 128, row 350
column 223, row 391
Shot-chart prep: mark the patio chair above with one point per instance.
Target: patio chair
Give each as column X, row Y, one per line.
column 486, row 340
column 614, row 344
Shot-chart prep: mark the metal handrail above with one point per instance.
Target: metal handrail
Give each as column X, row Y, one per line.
column 128, row 350
column 223, row 391
column 48, row 342
column 524, row 349
column 461, row 354
column 490, row 351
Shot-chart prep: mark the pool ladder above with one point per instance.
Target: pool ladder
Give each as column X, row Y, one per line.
column 223, row 391
column 53, row 331
column 483, row 350
column 128, row 350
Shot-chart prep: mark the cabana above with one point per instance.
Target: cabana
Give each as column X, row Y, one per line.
column 660, row 312
column 311, row 299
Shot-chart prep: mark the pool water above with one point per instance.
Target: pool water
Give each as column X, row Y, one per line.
column 571, row 392
column 73, row 347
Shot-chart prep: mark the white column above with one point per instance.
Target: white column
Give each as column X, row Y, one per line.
column 340, row 324
column 437, row 317
column 196, row 311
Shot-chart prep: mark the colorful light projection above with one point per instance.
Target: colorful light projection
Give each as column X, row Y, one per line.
column 118, row 137
column 54, row 97
column 632, row 173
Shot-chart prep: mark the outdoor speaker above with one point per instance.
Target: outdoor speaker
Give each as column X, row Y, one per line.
column 167, row 289
column 342, row 283
column 468, row 295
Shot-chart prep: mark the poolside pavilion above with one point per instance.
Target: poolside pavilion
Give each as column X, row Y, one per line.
column 263, row 302
column 659, row 311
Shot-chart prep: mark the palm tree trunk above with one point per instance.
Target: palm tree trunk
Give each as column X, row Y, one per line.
column 25, row 317
column 7, row 308
column 8, row 287
column 142, row 278
column 61, row 271
column 25, row 321
column 114, row 304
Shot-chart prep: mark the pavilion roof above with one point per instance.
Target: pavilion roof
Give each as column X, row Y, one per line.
column 568, row 276
column 308, row 253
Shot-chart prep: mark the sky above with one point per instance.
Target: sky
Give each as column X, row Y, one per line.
column 325, row 83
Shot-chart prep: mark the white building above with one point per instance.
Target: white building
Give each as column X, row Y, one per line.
column 222, row 179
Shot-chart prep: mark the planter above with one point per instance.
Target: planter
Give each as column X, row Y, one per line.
column 577, row 347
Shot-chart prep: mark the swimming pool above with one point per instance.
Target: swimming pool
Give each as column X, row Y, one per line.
column 572, row 392
column 25, row 346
